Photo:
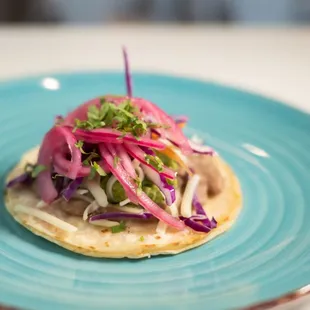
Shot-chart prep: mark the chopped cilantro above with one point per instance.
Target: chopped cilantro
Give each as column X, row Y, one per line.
column 124, row 117
column 104, row 109
column 155, row 162
column 98, row 168
column 141, row 239
column 79, row 144
column 119, row 228
column 91, row 156
column 128, row 107
column 109, row 115
column 139, row 128
column 83, row 124
column 127, row 113
column 37, row 170
column 94, row 167
column 93, row 112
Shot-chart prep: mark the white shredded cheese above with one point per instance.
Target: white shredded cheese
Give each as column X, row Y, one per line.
column 98, row 193
column 173, row 210
column 81, row 191
column 162, row 226
column 186, row 205
column 104, row 223
column 140, row 173
column 124, row 202
column 93, row 206
column 136, row 165
column 41, row 204
column 109, row 187
column 129, row 209
column 46, row 217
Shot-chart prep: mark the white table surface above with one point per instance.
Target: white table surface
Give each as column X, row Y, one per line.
column 271, row 61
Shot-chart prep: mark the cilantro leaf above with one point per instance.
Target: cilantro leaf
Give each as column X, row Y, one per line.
column 82, row 125
column 98, row 169
column 119, row 228
column 127, row 113
column 103, row 111
column 37, row 170
column 88, row 160
column 125, row 117
column 93, row 112
column 139, row 128
column 79, row 144
column 109, row 116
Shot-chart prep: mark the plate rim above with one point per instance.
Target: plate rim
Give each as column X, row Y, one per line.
column 71, row 73
column 264, row 305
column 14, row 81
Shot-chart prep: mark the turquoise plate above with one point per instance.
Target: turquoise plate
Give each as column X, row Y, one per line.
column 264, row 256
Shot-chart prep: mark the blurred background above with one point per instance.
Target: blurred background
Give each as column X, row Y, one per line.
column 184, row 11
column 259, row 45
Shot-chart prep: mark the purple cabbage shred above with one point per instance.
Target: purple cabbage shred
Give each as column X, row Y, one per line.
column 120, row 215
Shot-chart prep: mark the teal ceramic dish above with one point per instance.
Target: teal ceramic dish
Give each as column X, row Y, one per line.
column 264, row 256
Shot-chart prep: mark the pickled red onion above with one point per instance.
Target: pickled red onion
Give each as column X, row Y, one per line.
column 80, row 112
column 61, row 165
column 109, row 135
column 54, row 140
column 137, row 153
column 173, row 133
column 126, row 161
